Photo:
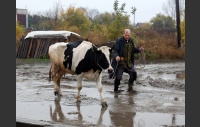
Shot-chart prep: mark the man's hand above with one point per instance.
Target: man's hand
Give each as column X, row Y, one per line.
column 117, row 58
column 141, row 49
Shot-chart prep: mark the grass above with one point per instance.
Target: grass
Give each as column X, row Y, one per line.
column 20, row 61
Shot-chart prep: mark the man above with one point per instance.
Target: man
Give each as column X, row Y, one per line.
column 123, row 60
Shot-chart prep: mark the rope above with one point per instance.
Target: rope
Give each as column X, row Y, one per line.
column 141, row 59
column 127, row 67
column 114, row 72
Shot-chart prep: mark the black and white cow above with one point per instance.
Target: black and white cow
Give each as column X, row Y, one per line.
column 79, row 58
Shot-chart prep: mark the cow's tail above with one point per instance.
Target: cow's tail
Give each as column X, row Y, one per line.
column 50, row 74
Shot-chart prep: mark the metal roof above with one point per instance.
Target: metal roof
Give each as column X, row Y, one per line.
column 50, row 34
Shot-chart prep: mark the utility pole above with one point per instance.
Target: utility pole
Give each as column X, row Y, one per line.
column 133, row 12
column 178, row 24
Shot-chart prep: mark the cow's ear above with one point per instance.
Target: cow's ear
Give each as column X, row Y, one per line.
column 112, row 49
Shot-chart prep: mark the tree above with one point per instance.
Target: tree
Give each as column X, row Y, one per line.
column 52, row 16
column 161, row 21
column 170, row 8
column 120, row 23
column 104, row 18
column 183, row 27
column 91, row 13
column 178, row 24
column 75, row 18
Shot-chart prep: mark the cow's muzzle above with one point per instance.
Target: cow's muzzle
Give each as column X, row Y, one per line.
column 110, row 70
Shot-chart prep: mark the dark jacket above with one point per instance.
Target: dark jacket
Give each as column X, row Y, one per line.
column 118, row 51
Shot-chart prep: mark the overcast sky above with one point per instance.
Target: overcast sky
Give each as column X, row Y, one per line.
column 146, row 9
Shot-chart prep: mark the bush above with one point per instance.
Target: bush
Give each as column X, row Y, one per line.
column 43, row 56
column 19, row 33
column 158, row 45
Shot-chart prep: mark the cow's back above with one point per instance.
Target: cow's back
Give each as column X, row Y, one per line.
column 59, row 52
column 56, row 53
column 79, row 53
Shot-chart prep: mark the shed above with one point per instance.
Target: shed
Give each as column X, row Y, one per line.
column 37, row 43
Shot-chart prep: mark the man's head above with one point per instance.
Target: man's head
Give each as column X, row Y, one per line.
column 127, row 34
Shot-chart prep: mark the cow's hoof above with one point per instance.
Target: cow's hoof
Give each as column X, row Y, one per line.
column 55, row 93
column 104, row 104
column 78, row 101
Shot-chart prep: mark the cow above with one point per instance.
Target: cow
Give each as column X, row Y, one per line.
column 81, row 58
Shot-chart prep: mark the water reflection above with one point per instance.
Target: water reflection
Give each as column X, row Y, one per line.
column 121, row 112
column 57, row 110
column 173, row 119
column 120, row 116
column 58, row 116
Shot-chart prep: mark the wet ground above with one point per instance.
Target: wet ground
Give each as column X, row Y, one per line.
column 159, row 102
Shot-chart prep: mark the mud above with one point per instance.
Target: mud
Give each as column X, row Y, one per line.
column 159, row 101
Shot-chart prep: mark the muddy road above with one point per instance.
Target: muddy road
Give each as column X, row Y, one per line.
column 159, row 102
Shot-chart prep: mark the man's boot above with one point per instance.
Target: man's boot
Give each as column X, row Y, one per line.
column 116, row 85
column 131, row 81
column 130, row 88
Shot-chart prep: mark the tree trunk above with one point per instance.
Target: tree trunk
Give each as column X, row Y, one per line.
column 178, row 24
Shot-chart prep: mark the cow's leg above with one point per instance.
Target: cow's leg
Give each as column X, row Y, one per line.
column 59, row 76
column 50, row 74
column 104, row 104
column 54, row 77
column 79, row 87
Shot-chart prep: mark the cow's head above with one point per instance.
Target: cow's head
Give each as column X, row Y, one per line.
column 103, row 58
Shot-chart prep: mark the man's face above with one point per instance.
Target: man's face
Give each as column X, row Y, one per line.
column 127, row 36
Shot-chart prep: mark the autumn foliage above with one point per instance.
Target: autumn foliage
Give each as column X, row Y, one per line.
column 156, row 37
column 19, row 33
column 158, row 45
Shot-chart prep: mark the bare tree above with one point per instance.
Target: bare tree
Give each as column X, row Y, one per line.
column 53, row 14
column 92, row 13
column 170, row 8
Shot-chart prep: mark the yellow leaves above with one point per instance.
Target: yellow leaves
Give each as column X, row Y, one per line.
column 99, row 35
column 75, row 19
column 159, row 46
column 19, row 33
column 182, row 25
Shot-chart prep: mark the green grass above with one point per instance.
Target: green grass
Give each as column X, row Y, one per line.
column 20, row 61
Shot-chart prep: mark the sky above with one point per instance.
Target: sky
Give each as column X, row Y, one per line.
column 146, row 9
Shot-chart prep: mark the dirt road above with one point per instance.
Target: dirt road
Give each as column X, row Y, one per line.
column 160, row 100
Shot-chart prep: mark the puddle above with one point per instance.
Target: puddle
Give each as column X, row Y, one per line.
column 123, row 109
column 149, row 107
column 158, row 120
column 77, row 114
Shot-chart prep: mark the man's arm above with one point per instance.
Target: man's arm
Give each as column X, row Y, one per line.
column 116, row 50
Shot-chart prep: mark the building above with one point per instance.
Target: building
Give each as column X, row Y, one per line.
column 22, row 17
column 140, row 24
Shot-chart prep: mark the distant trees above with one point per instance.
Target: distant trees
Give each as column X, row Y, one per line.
column 91, row 24
column 40, row 22
column 103, row 27
column 161, row 21
column 74, row 19
column 170, row 8
column 104, row 18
